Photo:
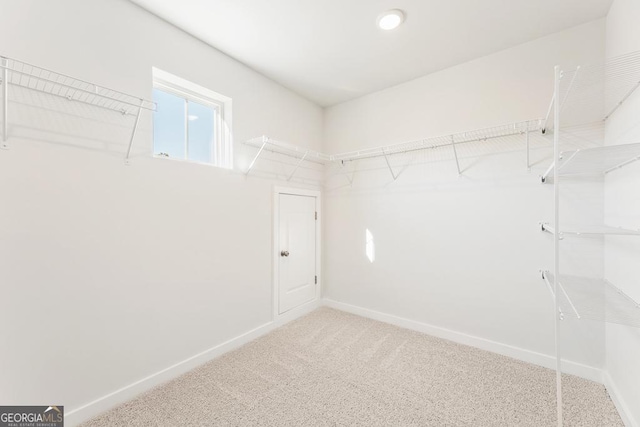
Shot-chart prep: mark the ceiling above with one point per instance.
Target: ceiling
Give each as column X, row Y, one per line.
column 331, row 51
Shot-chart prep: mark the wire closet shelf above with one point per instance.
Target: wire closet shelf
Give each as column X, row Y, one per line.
column 593, row 299
column 484, row 134
column 582, row 95
column 30, row 76
column 595, row 92
column 265, row 143
column 22, row 74
column 593, row 161
column 590, row 231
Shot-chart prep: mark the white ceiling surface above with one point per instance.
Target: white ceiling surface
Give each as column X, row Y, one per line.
column 331, row 51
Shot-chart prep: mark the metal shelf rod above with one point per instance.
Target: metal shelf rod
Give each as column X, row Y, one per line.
column 442, row 141
column 503, row 131
column 75, row 91
column 66, row 78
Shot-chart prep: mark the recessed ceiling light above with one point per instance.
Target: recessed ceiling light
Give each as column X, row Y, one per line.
column 390, row 19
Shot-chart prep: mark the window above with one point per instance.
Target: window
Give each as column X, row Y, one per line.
column 191, row 122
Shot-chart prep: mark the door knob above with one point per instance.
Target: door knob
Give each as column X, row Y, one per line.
column 284, row 253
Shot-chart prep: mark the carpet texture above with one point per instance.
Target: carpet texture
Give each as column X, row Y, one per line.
column 332, row 368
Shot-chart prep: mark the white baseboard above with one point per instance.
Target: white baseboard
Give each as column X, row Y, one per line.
column 294, row 313
column 529, row 356
column 91, row 409
column 621, row 405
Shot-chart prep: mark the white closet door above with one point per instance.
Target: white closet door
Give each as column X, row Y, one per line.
column 297, row 243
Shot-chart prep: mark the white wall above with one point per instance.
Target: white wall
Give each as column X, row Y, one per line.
column 458, row 253
column 110, row 273
column 622, row 208
column 119, row 285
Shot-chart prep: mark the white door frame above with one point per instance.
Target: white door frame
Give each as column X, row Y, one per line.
column 277, row 191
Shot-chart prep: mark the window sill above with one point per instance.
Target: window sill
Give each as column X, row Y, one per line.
column 193, row 162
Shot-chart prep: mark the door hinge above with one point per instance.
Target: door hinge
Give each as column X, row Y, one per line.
column 316, row 280
column 316, row 216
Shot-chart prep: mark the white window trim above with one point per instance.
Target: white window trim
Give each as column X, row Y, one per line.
column 223, row 104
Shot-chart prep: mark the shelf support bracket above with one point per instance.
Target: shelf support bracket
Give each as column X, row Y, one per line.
column 133, row 132
column 346, row 173
column 5, row 101
column 633, row 89
column 573, row 307
column 621, row 165
column 551, row 230
column 455, row 154
column 546, row 280
column 298, row 165
column 546, row 227
column 386, row 158
column 265, row 140
column 545, row 175
column 546, row 119
column 564, row 163
column 566, row 95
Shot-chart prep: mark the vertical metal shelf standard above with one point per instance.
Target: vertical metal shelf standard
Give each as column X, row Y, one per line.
column 32, row 77
column 592, row 92
column 556, row 245
column 5, row 100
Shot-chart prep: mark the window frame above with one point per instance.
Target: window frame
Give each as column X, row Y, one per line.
column 222, row 144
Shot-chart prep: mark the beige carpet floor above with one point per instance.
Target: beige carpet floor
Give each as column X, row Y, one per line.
column 331, row 368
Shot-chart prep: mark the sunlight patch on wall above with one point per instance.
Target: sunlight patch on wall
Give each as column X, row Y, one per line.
column 370, row 247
